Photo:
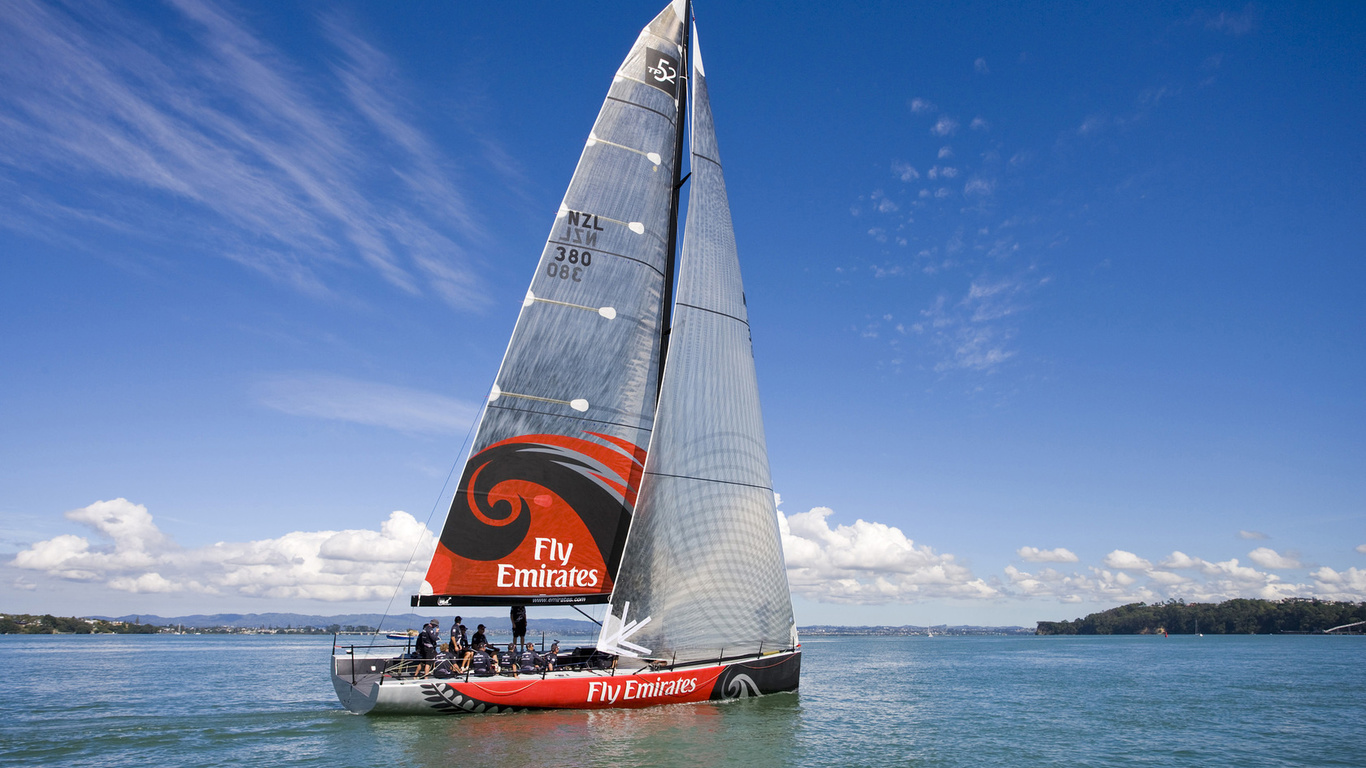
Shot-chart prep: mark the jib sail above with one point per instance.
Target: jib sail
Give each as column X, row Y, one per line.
column 703, row 576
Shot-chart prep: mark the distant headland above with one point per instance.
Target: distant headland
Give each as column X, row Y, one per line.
column 1293, row 615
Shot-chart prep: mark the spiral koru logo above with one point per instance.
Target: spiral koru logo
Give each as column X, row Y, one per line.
column 741, row 686
column 503, row 484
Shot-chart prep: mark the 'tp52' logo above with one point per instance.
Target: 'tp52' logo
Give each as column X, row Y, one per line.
column 661, row 71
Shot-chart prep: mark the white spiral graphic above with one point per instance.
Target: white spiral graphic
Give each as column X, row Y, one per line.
column 741, row 687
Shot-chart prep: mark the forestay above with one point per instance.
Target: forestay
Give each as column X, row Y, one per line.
column 545, row 500
column 703, row 575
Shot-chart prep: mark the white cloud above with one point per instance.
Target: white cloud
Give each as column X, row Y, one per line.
column 919, row 106
column 981, row 187
column 132, row 555
column 868, row 562
column 1126, row 561
column 905, row 171
column 1348, row 585
column 1361, row 548
column 1178, row 561
column 979, row 124
column 1035, row 555
column 980, row 66
column 1269, row 558
column 945, row 126
column 1252, row 535
column 945, row 151
column 363, row 402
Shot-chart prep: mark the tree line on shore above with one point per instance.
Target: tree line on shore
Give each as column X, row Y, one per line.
column 47, row 624
column 1233, row 617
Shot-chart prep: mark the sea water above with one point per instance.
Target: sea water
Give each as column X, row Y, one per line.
column 216, row 700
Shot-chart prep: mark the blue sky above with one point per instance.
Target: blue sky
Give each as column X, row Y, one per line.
column 1054, row 308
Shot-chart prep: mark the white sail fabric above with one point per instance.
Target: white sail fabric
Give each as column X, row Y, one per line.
column 703, row 572
column 559, row 449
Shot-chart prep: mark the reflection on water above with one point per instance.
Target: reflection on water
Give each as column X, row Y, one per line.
column 758, row 731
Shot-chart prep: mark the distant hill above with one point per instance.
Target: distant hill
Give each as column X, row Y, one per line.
column 497, row 626
column 818, row 630
column 1296, row 615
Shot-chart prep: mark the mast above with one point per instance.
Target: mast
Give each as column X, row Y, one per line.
column 666, row 313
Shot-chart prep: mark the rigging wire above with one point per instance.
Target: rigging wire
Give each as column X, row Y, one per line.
column 426, row 526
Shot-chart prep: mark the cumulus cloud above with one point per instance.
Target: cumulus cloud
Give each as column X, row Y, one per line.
column 868, row 562
column 1035, row 555
column 1348, row 585
column 1269, row 558
column 1126, row 561
column 131, row 554
column 1361, row 548
column 979, row 124
column 1124, row 577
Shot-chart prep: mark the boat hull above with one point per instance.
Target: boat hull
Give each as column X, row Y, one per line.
column 363, row 689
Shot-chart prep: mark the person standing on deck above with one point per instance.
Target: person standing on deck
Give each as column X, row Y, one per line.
column 427, row 641
column 519, row 624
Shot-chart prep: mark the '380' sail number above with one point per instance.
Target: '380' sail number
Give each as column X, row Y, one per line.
column 569, row 263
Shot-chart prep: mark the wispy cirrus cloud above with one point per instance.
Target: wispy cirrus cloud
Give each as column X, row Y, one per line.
column 337, row 398
column 191, row 131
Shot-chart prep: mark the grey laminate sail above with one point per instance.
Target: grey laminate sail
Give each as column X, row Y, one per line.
column 545, row 500
column 703, row 574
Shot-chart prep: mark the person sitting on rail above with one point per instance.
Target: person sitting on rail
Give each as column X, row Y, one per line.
column 482, row 665
column 552, row 656
column 529, row 661
column 507, row 660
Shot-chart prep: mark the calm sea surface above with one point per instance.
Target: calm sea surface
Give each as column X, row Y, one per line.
column 944, row 701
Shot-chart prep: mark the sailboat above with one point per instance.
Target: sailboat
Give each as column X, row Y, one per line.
column 620, row 458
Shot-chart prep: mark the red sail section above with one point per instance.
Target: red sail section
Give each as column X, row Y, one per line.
column 538, row 518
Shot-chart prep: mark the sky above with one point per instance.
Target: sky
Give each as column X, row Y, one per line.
column 1055, row 308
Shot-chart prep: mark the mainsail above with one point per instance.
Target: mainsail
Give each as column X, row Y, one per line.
column 703, row 575
column 545, row 500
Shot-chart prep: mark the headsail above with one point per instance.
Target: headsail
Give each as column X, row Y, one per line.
column 545, row 500
column 703, row 573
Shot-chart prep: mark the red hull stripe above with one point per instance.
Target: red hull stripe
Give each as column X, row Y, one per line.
column 622, row 690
